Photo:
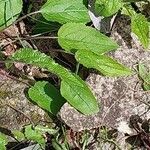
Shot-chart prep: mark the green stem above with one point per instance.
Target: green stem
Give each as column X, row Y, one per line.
column 25, row 16
column 77, row 68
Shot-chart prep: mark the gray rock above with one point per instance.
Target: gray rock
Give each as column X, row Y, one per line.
column 15, row 109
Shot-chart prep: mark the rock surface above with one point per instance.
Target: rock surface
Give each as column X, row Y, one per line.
column 121, row 97
column 15, row 109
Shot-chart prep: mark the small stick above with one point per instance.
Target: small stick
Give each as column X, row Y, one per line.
column 21, row 113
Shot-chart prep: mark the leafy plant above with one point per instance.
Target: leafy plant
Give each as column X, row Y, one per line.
column 73, row 89
column 88, row 45
column 104, row 64
column 139, row 23
column 77, row 37
column 43, row 26
column 36, row 134
column 18, row 135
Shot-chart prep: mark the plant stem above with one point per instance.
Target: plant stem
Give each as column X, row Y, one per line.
column 28, row 38
column 17, row 110
column 77, row 68
column 36, row 37
column 25, row 16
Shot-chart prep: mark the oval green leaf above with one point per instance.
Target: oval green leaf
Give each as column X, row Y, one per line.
column 76, row 36
column 64, row 11
column 9, row 11
column 140, row 27
column 104, row 64
column 46, row 96
column 79, row 95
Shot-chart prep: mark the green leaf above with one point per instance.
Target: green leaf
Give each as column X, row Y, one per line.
column 70, row 82
column 9, row 11
column 128, row 10
column 140, row 27
column 34, row 135
column 139, row 24
column 64, row 11
column 3, row 141
column 34, row 57
column 78, row 95
column 144, row 73
column 107, row 8
column 146, row 86
column 104, row 64
column 18, row 135
column 76, row 36
column 46, row 96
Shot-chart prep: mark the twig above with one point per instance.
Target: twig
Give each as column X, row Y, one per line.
column 21, row 113
column 25, row 16
column 36, row 37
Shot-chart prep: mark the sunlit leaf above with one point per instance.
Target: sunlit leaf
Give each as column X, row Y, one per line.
column 34, row 135
column 9, row 11
column 76, row 36
column 44, row 130
column 140, row 27
column 78, row 95
column 104, row 64
column 18, row 135
column 64, row 11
